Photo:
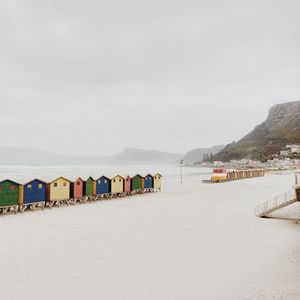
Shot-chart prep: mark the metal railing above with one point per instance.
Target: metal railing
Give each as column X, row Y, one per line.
column 274, row 203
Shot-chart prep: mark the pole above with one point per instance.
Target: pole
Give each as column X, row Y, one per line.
column 181, row 166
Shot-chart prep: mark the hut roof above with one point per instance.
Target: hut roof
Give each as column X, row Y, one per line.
column 103, row 177
column 36, row 179
column 148, row 175
column 61, row 177
column 11, row 181
column 158, row 174
column 118, row 176
column 138, row 175
column 79, row 178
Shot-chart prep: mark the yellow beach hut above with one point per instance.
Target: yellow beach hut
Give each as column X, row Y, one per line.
column 157, row 182
column 117, row 185
column 59, row 189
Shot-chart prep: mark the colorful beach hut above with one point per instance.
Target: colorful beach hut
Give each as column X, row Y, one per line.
column 59, row 189
column 89, row 187
column 148, row 182
column 103, row 185
column 10, row 193
column 127, row 185
column 117, row 185
column 76, row 190
column 34, row 191
column 137, row 183
column 157, row 182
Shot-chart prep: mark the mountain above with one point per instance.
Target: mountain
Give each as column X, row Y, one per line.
column 141, row 156
column 281, row 127
column 196, row 155
column 23, row 156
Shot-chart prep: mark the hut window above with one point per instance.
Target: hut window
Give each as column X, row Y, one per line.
column 120, row 180
column 127, row 179
column 40, row 186
column 105, row 181
column 78, row 182
column 29, row 186
column 99, row 181
column 55, row 184
column 65, row 184
column 12, row 187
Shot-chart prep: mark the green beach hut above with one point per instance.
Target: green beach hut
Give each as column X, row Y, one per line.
column 137, row 183
column 89, row 187
column 9, row 193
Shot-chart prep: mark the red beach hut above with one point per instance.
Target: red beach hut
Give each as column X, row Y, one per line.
column 127, row 185
column 78, row 188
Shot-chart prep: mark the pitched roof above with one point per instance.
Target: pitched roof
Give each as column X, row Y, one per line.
column 148, row 175
column 138, row 175
column 79, row 178
column 158, row 174
column 103, row 177
column 36, row 179
column 16, row 183
column 61, row 177
column 118, row 176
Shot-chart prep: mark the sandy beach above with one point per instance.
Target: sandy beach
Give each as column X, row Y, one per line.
column 191, row 241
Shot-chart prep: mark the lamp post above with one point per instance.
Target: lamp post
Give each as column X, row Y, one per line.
column 181, row 166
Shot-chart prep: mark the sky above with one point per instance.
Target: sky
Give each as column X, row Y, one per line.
column 92, row 77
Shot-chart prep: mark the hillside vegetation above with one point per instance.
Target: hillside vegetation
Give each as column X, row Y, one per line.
column 281, row 127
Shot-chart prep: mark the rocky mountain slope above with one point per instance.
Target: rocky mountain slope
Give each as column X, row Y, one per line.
column 281, row 127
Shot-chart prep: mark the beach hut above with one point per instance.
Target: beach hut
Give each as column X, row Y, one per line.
column 78, row 188
column 103, row 185
column 10, row 194
column 127, row 185
column 137, row 183
column 229, row 175
column 232, row 176
column 34, row 191
column 59, row 189
column 117, row 185
column 157, row 182
column 89, row 187
column 148, row 182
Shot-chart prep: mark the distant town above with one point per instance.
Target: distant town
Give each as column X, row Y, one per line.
column 287, row 159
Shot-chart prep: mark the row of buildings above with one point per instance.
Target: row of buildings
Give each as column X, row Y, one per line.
column 276, row 163
column 13, row 193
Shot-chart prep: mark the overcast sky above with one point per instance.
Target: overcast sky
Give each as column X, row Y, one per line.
column 94, row 76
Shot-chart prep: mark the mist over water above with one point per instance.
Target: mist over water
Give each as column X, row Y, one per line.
column 49, row 173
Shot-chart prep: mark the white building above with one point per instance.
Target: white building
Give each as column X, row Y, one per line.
column 294, row 148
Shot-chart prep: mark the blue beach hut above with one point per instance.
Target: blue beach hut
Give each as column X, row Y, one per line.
column 103, row 185
column 35, row 191
column 148, row 182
